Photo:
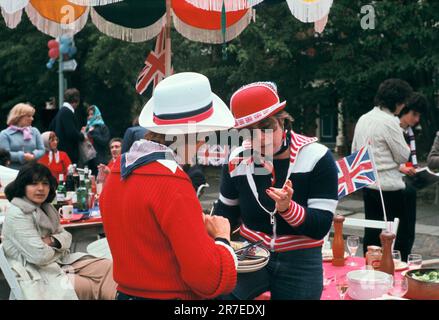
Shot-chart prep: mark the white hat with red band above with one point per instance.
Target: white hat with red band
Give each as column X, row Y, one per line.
column 184, row 103
column 255, row 102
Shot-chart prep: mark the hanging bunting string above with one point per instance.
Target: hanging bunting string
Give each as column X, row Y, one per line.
column 230, row 5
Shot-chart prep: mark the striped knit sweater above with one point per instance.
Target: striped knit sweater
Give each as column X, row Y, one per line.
column 155, row 230
column 309, row 218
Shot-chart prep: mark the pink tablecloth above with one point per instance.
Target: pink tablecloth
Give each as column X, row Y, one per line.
column 330, row 291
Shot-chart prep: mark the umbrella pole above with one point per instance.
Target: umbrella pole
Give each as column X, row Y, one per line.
column 168, row 39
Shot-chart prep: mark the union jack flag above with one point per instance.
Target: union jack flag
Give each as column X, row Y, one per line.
column 355, row 172
column 155, row 65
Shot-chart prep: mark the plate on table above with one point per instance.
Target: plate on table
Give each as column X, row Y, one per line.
column 75, row 218
column 261, row 252
column 327, row 255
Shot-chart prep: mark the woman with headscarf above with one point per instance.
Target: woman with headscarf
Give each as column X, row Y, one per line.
column 23, row 141
column 57, row 161
column 99, row 135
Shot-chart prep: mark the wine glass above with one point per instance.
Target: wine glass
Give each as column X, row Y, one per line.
column 399, row 287
column 353, row 242
column 396, row 255
column 414, row 261
column 341, row 283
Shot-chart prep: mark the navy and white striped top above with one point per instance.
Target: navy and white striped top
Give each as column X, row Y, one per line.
column 309, row 218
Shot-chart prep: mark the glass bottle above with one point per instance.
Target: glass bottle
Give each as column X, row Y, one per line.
column 387, row 265
column 75, row 176
column 61, row 192
column 338, row 242
column 82, row 195
column 70, row 183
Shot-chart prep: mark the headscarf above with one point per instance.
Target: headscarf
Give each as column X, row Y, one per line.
column 26, row 131
column 52, row 153
column 95, row 120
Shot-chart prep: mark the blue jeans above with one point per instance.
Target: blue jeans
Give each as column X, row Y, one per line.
column 292, row 275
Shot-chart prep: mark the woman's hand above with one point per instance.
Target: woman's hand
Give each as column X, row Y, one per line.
column 410, row 171
column 47, row 240
column 217, row 226
column 283, row 196
column 104, row 168
column 29, row 156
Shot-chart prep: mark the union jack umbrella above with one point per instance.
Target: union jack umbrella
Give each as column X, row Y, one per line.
column 355, row 172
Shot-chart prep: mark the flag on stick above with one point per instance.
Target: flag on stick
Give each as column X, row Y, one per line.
column 355, row 172
column 154, row 70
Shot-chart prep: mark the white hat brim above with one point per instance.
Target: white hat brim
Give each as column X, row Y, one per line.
column 221, row 119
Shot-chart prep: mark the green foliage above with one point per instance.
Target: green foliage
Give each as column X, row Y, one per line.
column 346, row 63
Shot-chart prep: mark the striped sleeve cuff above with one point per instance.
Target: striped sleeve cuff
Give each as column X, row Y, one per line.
column 295, row 215
column 230, row 249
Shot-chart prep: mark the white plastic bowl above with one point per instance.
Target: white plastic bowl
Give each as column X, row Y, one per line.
column 368, row 284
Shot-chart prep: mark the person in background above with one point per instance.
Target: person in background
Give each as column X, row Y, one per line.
column 5, row 158
column 99, row 135
column 284, row 193
column 163, row 246
column 57, row 161
column 66, row 127
column 38, row 247
column 433, row 156
column 132, row 134
column 390, row 150
column 409, row 118
column 115, row 150
column 23, row 141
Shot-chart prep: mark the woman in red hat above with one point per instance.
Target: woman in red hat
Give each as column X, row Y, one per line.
column 163, row 247
column 280, row 188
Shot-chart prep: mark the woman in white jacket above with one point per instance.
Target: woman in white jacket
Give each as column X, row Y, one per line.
column 381, row 128
column 38, row 248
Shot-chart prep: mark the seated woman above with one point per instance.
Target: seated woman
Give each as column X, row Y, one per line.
column 20, row 138
column 57, row 161
column 38, row 247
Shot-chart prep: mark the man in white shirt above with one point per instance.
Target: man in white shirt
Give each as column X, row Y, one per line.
column 389, row 150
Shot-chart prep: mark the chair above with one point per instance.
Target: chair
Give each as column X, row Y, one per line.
column 432, row 263
column 201, row 188
column 100, row 249
column 16, row 293
column 392, row 226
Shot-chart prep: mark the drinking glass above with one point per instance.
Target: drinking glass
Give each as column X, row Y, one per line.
column 399, row 287
column 414, row 261
column 353, row 242
column 396, row 255
column 341, row 283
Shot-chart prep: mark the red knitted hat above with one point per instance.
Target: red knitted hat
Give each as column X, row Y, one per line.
column 254, row 102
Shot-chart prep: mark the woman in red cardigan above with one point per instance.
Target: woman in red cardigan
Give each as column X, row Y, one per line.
column 57, row 161
column 163, row 246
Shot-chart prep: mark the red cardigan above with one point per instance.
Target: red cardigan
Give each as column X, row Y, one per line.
column 57, row 168
column 155, row 230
